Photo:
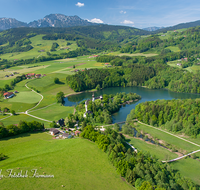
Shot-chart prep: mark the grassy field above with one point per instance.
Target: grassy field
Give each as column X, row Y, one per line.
column 159, row 152
column 173, row 48
column 53, row 112
column 40, row 47
column 169, row 139
column 22, row 117
column 188, row 167
column 26, row 99
column 133, row 54
column 75, row 164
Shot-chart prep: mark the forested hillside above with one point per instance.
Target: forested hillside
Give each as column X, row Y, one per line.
column 174, row 115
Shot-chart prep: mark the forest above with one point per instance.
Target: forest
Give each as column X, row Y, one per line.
column 180, row 116
column 126, row 76
column 141, row 170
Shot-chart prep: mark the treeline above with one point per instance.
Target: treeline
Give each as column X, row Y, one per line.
column 174, row 115
column 78, row 52
column 82, row 41
column 141, row 170
column 132, row 75
column 22, row 127
column 175, row 79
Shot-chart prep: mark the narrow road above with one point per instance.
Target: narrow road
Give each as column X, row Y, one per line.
column 170, row 134
column 37, row 117
column 132, row 147
column 36, row 93
column 182, row 156
column 10, row 114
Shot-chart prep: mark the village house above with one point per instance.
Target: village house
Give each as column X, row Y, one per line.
column 77, row 133
column 38, row 76
column 8, row 95
column 30, row 75
column 65, row 135
column 54, row 131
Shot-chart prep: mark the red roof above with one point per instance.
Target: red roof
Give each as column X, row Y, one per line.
column 8, row 93
column 31, row 74
column 77, row 132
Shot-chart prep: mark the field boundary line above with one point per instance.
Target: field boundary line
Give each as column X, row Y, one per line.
column 181, row 156
column 38, row 117
column 170, row 134
column 43, row 107
column 38, row 102
column 10, row 114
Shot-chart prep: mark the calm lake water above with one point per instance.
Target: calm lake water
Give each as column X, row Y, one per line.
column 146, row 94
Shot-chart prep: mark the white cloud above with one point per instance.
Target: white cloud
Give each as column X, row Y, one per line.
column 96, row 20
column 123, row 12
column 127, row 22
column 80, row 4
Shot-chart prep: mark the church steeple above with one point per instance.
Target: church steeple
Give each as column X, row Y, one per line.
column 93, row 98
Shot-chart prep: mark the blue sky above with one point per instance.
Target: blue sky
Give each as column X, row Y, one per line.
column 137, row 13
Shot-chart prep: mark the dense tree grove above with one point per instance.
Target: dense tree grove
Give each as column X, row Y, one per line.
column 174, row 115
column 141, row 170
column 127, row 76
column 60, row 97
column 22, row 127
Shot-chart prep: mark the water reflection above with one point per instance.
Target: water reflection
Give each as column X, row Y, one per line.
column 147, row 95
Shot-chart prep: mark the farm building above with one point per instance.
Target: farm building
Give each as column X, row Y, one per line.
column 54, row 131
column 8, row 95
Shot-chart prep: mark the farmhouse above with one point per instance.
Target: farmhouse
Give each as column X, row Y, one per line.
column 65, row 135
column 77, row 133
column 54, row 131
column 38, row 76
column 8, row 95
column 30, row 75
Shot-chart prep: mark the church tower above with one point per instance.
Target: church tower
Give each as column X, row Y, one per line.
column 93, row 98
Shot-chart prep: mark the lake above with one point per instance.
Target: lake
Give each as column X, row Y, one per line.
column 145, row 93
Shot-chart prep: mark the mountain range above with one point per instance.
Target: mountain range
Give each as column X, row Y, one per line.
column 63, row 21
column 153, row 28
column 52, row 20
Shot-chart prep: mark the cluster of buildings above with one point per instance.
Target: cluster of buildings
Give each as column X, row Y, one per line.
column 63, row 134
column 93, row 56
column 33, row 75
column 12, row 74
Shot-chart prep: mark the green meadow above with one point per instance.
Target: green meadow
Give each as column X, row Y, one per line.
column 183, row 166
column 22, row 117
column 159, row 152
column 53, row 112
column 40, row 47
column 180, row 144
column 75, row 164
